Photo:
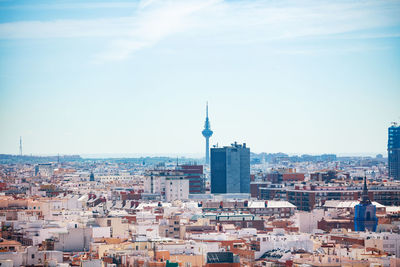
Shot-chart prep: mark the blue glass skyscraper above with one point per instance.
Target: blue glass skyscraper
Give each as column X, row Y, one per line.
column 394, row 151
column 230, row 169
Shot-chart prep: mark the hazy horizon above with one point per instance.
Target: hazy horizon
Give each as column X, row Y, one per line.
column 185, row 155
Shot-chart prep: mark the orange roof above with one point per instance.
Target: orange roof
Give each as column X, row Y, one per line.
column 10, row 243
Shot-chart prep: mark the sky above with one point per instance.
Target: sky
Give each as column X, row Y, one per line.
column 133, row 77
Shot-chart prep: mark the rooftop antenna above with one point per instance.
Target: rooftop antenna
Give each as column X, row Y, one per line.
column 20, row 145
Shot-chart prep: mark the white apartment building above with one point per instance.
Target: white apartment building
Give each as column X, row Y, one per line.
column 387, row 242
column 281, row 209
column 176, row 189
column 170, row 184
column 278, row 240
column 154, row 184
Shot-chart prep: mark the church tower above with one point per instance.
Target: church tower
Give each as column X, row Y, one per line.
column 91, row 177
column 365, row 212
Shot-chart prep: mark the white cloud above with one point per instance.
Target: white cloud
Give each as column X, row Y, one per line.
column 154, row 22
column 215, row 21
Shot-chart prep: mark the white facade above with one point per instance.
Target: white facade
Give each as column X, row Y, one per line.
column 115, row 178
column 280, row 209
column 101, row 232
column 154, row 184
column 31, row 256
column 176, row 189
column 387, row 242
column 308, row 221
column 283, row 242
column 148, row 229
column 92, row 263
column 119, row 226
column 76, row 239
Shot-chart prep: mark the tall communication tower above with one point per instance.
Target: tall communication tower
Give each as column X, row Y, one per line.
column 207, row 133
column 20, row 146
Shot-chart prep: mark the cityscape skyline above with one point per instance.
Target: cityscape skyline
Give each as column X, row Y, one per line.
column 201, row 133
column 188, row 154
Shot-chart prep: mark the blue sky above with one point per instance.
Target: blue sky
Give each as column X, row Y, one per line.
column 133, row 77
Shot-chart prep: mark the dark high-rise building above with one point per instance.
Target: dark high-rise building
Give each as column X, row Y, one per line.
column 207, row 133
column 394, row 151
column 230, row 169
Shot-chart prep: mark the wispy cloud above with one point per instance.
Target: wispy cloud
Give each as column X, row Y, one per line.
column 323, row 51
column 71, row 5
column 155, row 22
column 216, row 21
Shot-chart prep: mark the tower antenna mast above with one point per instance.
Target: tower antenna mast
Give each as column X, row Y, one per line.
column 20, row 145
